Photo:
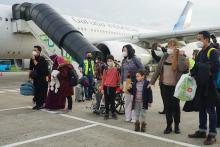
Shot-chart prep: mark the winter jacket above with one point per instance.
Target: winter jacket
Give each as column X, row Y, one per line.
column 146, row 94
column 110, row 77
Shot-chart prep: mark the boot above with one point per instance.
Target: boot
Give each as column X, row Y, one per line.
column 106, row 116
column 137, row 126
column 114, row 116
column 143, row 127
column 210, row 140
column 177, row 129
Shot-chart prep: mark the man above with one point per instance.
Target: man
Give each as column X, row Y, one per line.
column 218, row 106
column 88, row 66
column 99, row 68
column 205, row 70
column 39, row 73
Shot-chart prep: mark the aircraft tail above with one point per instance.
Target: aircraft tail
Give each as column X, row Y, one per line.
column 185, row 18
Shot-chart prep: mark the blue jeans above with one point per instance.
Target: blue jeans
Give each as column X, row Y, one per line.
column 89, row 89
column 212, row 120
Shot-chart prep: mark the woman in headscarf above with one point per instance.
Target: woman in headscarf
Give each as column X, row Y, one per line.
column 57, row 98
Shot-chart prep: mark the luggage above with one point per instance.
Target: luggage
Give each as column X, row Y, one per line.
column 79, row 93
column 27, row 89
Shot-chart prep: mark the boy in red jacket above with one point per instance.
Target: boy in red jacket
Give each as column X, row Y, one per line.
column 110, row 80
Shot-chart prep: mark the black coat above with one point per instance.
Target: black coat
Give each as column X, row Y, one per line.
column 205, row 71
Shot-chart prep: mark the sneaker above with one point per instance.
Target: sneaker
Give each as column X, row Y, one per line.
column 106, row 116
column 127, row 120
column 197, row 134
column 133, row 121
column 210, row 140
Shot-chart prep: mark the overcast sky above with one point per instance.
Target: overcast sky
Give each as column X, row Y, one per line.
column 150, row 14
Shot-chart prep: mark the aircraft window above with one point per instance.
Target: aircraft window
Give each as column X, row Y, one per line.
column 6, row 19
column 0, row 18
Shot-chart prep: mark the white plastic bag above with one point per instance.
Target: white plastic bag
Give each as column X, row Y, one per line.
column 186, row 88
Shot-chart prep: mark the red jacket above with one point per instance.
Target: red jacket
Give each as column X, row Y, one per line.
column 110, row 77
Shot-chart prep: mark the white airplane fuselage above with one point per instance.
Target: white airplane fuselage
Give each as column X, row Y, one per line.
column 19, row 46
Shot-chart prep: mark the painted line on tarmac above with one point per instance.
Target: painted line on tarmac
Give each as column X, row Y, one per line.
column 2, row 110
column 50, row 136
column 11, row 90
column 131, row 131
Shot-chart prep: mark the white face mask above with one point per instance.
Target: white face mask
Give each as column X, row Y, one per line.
column 34, row 53
column 200, row 44
column 124, row 54
column 110, row 64
column 169, row 51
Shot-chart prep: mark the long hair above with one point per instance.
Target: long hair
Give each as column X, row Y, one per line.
column 176, row 44
column 130, row 50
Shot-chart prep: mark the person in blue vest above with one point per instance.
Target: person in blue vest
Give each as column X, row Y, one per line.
column 205, row 69
column 88, row 71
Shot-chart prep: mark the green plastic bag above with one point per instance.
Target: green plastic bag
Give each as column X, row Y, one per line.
column 186, row 88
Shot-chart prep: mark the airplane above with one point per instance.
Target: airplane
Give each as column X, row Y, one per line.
column 18, row 35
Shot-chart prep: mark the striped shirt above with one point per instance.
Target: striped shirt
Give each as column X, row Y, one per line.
column 139, row 87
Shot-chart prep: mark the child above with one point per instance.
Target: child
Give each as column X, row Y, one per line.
column 142, row 99
column 110, row 80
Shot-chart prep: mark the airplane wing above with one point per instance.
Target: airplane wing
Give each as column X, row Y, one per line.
column 183, row 35
column 188, row 36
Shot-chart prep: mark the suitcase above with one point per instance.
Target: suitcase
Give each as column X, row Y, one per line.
column 79, row 93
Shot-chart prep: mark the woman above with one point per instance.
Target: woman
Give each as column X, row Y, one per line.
column 170, row 69
column 130, row 64
column 57, row 100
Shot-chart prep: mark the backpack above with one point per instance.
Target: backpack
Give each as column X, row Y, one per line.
column 218, row 74
column 73, row 77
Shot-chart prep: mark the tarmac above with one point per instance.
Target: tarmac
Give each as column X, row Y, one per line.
column 22, row 126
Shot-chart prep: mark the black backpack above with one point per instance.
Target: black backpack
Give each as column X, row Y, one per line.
column 73, row 77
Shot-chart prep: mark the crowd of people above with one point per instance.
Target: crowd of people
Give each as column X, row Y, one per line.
column 132, row 79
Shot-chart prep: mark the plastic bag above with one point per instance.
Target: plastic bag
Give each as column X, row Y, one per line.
column 186, row 88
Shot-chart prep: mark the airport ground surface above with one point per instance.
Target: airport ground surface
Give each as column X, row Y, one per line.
column 22, row 126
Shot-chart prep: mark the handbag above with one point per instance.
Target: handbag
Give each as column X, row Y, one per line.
column 27, row 88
